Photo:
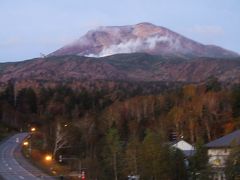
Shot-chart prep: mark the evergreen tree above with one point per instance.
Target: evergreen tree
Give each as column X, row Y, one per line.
column 178, row 165
column 26, row 101
column 113, row 150
column 213, row 84
column 236, row 101
column 131, row 161
column 155, row 158
column 9, row 93
column 198, row 166
column 232, row 169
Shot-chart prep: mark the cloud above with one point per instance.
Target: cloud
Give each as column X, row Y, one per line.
column 207, row 30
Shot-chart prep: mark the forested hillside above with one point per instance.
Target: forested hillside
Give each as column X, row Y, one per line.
column 124, row 131
column 134, row 67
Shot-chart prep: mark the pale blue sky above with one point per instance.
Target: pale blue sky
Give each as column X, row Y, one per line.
column 31, row 27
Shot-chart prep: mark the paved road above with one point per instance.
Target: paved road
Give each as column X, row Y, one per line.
column 13, row 166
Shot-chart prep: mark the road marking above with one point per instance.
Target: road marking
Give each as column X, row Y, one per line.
column 7, row 158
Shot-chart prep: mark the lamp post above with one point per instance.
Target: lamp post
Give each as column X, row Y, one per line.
column 32, row 130
column 48, row 158
column 25, row 143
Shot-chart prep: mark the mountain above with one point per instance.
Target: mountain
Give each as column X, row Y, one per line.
column 143, row 37
column 135, row 67
column 138, row 53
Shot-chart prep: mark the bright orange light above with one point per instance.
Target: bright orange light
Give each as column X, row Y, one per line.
column 25, row 143
column 33, row 129
column 48, row 157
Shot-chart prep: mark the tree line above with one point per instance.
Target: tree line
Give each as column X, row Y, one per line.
column 116, row 134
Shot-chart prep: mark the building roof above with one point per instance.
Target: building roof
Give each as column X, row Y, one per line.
column 185, row 147
column 225, row 141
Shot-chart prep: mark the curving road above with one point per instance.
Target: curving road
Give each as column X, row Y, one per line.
column 13, row 166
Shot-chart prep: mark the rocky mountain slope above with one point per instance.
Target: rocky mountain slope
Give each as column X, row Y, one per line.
column 127, row 67
column 143, row 37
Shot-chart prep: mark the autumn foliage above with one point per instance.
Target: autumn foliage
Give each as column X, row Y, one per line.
column 117, row 133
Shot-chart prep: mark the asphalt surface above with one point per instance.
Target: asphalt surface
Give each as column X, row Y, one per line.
column 13, row 166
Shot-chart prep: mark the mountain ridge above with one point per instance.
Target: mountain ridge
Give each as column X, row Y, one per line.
column 142, row 37
column 163, row 56
column 130, row 67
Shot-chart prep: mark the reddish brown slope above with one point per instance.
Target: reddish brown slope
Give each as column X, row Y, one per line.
column 127, row 67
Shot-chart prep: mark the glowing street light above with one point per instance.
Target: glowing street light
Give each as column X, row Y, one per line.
column 48, row 158
column 25, row 143
column 33, row 129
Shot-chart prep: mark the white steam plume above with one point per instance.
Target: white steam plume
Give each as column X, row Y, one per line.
column 132, row 46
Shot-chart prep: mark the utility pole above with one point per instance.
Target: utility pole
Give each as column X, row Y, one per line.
column 80, row 166
column 115, row 165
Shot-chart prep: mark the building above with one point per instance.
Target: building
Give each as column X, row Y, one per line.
column 218, row 152
column 187, row 149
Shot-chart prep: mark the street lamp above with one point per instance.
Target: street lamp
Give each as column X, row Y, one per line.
column 33, row 129
column 48, row 158
column 25, row 143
